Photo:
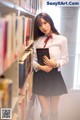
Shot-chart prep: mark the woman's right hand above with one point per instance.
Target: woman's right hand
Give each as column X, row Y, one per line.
column 44, row 68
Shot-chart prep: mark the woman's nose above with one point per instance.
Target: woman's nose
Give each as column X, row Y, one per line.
column 43, row 26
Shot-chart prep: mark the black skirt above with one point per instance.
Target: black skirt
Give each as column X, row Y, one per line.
column 48, row 84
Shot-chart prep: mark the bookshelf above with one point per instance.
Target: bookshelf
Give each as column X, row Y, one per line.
column 15, row 48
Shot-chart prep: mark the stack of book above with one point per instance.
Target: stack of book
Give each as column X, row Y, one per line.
column 15, row 34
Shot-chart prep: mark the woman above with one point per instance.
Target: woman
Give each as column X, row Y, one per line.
column 48, row 83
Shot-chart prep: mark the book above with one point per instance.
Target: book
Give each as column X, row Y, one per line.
column 22, row 74
column 3, row 44
column 24, row 67
column 34, row 6
column 28, row 5
column 22, row 3
column 6, row 92
column 28, row 25
column 9, row 48
column 40, row 54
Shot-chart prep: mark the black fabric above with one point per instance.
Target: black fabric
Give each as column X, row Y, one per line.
column 49, row 84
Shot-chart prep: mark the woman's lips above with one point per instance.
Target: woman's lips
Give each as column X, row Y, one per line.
column 45, row 31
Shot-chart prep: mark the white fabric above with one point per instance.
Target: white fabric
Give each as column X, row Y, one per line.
column 58, row 49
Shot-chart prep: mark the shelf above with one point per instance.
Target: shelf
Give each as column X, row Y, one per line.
column 9, row 7
column 12, row 7
column 15, row 116
column 31, row 42
column 20, row 97
column 14, row 102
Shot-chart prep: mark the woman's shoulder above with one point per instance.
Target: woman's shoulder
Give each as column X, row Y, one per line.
column 39, row 39
column 61, row 37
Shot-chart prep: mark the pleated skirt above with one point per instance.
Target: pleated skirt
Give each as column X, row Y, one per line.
column 48, row 84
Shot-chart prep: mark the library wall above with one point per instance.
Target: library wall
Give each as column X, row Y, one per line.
column 16, row 39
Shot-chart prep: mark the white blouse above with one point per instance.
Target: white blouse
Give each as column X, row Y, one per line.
column 58, row 50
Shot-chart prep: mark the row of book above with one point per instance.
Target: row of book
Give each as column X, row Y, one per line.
column 30, row 5
column 24, row 67
column 25, row 73
column 24, row 84
column 15, row 35
column 24, row 98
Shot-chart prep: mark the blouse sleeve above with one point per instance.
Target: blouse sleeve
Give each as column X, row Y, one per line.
column 64, row 54
column 34, row 57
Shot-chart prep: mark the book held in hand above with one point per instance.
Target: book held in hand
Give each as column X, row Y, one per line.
column 41, row 52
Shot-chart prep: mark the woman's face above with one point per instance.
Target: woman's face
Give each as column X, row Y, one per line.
column 45, row 27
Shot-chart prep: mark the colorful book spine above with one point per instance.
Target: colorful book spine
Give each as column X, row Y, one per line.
column 3, row 44
column 6, row 87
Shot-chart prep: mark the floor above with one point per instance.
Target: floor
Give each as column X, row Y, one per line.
column 69, row 107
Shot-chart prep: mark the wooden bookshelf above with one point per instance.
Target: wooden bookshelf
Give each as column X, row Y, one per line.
column 14, row 102
column 20, row 96
column 12, row 7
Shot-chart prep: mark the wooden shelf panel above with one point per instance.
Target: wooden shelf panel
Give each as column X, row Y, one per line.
column 12, row 7
column 14, row 102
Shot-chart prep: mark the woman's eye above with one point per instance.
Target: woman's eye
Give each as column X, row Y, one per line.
column 45, row 22
column 39, row 25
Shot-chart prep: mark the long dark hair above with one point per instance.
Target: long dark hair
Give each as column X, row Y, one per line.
column 46, row 17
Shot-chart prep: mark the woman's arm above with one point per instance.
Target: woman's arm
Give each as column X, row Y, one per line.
column 44, row 68
column 63, row 58
column 36, row 66
column 64, row 53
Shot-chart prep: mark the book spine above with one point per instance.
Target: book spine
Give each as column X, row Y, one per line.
column 6, row 87
column 3, row 41
column 21, row 74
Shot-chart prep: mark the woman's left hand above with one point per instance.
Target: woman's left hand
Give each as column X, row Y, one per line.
column 49, row 62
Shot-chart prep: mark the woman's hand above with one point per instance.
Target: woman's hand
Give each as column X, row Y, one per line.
column 44, row 68
column 50, row 62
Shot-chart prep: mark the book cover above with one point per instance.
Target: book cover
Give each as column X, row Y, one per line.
column 41, row 52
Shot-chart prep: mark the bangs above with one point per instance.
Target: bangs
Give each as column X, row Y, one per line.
column 39, row 22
